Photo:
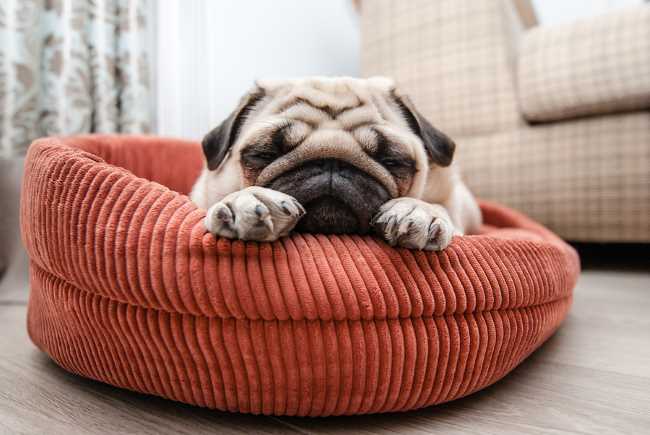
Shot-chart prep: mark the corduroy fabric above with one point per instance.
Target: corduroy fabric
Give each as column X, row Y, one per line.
column 128, row 288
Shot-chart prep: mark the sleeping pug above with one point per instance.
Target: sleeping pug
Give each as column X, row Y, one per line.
column 332, row 155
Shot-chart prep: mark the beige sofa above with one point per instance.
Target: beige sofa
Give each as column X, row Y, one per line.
column 551, row 120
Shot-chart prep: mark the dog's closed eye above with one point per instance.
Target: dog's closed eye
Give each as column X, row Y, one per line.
column 400, row 166
column 397, row 162
column 256, row 157
column 393, row 158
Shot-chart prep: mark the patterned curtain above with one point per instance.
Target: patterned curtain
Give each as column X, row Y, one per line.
column 71, row 66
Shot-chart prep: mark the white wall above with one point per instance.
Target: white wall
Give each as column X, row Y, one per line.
column 562, row 11
column 209, row 52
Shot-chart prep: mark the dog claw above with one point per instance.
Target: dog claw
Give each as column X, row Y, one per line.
column 285, row 208
column 259, row 210
column 301, row 209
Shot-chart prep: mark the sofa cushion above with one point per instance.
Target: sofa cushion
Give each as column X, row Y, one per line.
column 593, row 66
column 453, row 58
column 587, row 179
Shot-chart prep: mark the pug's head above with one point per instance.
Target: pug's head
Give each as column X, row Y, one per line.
column 341, row 146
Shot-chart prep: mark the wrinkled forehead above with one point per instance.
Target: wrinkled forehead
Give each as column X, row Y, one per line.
column 330, row 103
column 343, row 91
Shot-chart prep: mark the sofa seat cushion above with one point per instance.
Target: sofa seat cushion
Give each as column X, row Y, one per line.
column 593, row 66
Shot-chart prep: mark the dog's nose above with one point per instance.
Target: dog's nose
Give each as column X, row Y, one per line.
column 330, row 165
column 338, row 197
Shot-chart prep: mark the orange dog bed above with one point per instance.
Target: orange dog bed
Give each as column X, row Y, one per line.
column 128, row 288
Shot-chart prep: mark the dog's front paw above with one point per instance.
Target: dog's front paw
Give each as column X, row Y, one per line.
column 254, row 213
column 415, row 224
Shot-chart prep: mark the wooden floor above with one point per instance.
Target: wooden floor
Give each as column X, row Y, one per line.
column 592, row 377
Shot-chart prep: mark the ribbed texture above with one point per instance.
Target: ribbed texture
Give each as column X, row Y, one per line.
column 128, row 288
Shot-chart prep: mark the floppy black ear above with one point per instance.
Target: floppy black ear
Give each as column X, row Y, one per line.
column 218, row 142
column 440, row 148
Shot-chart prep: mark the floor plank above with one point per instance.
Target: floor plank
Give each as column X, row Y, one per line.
column 593, row 376
column 608, row 327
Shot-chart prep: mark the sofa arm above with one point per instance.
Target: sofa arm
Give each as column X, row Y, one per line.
column 455, row 58
column 593, row 66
